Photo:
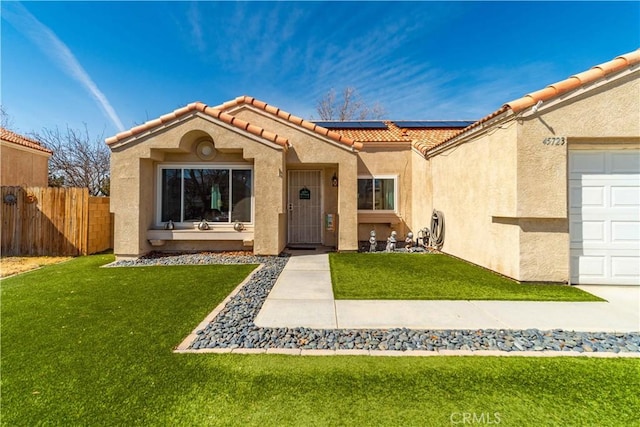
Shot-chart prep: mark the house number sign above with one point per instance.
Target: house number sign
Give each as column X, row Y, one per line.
column 305, row 194
column 555, row 140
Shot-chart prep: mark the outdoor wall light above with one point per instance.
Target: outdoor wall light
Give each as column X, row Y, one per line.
column 334, row 180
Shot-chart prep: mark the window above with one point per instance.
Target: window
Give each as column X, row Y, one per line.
column 216, row 194
column 377, row 194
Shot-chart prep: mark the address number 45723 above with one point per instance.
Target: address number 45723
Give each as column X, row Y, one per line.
column 555, row 140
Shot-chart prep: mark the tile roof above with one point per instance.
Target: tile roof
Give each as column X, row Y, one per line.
column 210, row 111
column 421, row 138
column 554, row 90
column 331, row 134
column 222, row 113
column 9, row 136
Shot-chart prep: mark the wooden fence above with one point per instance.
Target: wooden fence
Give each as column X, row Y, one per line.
column 54, row 221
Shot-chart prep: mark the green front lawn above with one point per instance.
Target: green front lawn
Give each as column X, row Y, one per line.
column 396, row 276
column 88, row 346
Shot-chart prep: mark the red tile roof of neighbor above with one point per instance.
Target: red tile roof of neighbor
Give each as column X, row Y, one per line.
column 554, row 90
column 12, row 137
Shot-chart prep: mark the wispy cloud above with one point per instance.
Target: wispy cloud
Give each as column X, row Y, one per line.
column 193, row 16
column 58, row 52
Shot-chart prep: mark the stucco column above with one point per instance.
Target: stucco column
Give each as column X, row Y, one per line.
column 348, row 206
column 125, row 204
column 268, row 191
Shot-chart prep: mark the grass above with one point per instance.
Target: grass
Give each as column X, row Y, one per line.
column 363, row 276
column 88, row 346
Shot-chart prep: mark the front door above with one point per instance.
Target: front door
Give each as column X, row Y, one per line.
column 305, row 207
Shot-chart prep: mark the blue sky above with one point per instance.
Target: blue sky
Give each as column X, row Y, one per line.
column 113, row 65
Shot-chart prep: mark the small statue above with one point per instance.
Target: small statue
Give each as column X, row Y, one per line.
column 373, row 243
column 204, row 225
column 391, row 242
column 409, row 242
column 169, row 225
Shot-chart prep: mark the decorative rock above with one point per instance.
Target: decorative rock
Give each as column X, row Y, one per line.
column 233, row 327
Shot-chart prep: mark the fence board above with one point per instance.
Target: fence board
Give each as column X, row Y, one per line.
column 49, row 221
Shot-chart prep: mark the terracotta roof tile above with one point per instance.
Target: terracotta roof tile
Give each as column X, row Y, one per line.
column 576, row 81
column 14, row 138
column 247, row 100
column 220, row 112
column 203, row 108
column 420, row 138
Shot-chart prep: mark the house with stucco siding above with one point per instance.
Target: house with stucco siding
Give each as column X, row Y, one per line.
column 546, row 188
column 23, row 161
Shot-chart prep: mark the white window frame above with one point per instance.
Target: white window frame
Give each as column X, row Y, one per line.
column 230, row 166
column 395, row 193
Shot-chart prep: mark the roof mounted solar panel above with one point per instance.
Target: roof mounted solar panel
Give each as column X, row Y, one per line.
column 433, row 124
column 352, row 124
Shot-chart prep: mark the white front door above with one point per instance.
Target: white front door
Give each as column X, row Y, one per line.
column 604, row 217
column 305, row 207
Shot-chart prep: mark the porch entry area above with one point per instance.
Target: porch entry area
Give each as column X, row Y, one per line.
column 304, row 205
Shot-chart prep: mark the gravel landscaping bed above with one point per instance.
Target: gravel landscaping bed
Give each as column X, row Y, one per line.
column 233, row 327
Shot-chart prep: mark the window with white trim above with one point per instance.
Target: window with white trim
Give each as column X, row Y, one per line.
column 221, row 194
column 377, row 193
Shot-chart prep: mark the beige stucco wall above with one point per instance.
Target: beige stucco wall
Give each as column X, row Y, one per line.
column 609, row 115
column 474, row 186
column 421, row 192
column 21, row 166
column 504, row 192
column 396, row 161
column 133, row 184
column 311, row 151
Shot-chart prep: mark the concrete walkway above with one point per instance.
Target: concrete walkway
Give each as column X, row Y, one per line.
column 303, row 296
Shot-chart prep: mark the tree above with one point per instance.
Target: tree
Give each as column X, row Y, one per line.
column 77, row 160
column 349, row 107
column 5, row 120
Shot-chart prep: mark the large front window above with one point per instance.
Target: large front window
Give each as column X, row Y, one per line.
column 215, row 194
column 376, row 194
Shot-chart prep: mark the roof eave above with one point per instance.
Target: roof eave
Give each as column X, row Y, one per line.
column 291, row 120
column 499, row 116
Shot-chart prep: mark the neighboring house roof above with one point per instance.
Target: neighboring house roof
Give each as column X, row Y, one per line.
column 222, row 112
column 14, row 138
column 562, row 87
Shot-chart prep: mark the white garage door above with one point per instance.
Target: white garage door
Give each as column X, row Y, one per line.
column 604, row 225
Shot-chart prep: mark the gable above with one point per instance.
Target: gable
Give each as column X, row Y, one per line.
column 554, row 94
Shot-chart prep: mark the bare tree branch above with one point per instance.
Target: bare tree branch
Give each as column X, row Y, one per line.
column 349, row 107
column 77, row 161
column 5, row 119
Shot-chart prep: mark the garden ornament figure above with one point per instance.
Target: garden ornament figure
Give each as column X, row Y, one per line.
column 203, row 225
column 391, row 242
column 372, row 241
column 169, row 225
column 409, row 242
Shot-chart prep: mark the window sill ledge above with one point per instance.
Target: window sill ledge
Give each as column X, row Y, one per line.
column 379, row 218
column 158, row 237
